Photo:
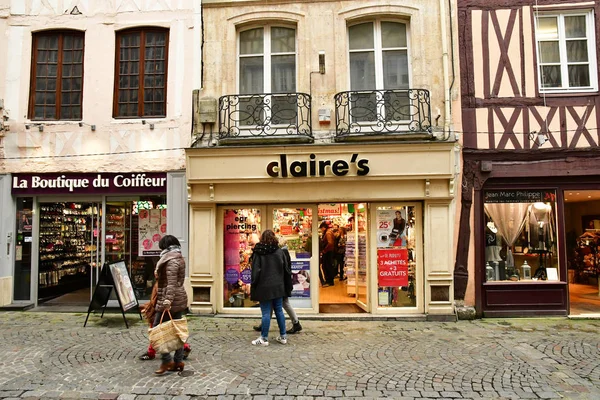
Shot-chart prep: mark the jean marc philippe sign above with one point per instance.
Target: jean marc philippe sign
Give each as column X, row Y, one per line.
column 94, row 183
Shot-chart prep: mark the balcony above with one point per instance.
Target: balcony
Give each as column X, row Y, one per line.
column 383, row 114
column 274, row 118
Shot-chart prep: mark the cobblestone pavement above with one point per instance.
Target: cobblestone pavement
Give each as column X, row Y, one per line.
column 51, row 355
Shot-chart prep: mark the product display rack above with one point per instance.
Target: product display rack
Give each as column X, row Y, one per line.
column 118, row 223
column 64, row 259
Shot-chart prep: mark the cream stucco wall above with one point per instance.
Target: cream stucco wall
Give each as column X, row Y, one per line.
column 323, row 26
column 125, row 144
column 398, row 173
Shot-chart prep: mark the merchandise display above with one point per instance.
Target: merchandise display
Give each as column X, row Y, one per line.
column 65, row 247
column 520, row 239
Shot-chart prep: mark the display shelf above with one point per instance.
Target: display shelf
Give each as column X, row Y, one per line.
column 64, row 254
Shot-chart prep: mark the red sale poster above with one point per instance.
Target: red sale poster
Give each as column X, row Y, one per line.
column 392, row 267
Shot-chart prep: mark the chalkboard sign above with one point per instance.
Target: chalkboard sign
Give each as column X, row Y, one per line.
column 113, row 276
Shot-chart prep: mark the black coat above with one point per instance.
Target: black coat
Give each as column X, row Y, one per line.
column 270, row 268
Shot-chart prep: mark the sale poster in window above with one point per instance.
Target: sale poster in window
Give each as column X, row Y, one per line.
column 391, row 228
column 392, row 267
column 152, row 227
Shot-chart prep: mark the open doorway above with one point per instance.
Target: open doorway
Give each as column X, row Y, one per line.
column 343, row 258
column 582, row 227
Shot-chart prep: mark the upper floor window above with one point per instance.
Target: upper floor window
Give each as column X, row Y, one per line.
column 267, row 64
column 141, row 73
column 566, row 52
column 378, row 56
column 379, row 72
column 267, row 60
column 56, row 75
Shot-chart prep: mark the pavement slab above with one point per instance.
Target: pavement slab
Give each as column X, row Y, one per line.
column 52, row 356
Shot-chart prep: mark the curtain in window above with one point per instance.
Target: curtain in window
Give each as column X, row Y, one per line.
column 510, row 219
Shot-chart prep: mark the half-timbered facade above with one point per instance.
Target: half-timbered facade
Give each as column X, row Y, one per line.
column 530, row 118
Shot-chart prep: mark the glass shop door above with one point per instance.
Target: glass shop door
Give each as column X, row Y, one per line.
column 293, row 225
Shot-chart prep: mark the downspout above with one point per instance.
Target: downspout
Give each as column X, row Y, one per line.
column 444, row 29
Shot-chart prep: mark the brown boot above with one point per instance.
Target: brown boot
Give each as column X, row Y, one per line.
column 177, row 366
column 165, row 367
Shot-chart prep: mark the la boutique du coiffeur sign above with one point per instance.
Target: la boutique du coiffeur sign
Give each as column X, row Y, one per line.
column 287, row 167
column 89, row 183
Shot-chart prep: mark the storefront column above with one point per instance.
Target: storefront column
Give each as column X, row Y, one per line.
column 7, row 222
column 438, row 246
column 203, row 255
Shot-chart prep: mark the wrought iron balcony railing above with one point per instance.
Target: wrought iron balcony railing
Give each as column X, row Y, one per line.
column 373, row 112
column 264, row 115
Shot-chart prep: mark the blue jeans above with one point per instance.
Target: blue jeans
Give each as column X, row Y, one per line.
column 166, row 357
column 265, row 309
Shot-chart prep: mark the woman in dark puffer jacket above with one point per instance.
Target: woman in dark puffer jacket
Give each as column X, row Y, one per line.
column 269, row 266
column 171, row 295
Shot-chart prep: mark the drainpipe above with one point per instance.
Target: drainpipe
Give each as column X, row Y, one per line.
column 447, row 98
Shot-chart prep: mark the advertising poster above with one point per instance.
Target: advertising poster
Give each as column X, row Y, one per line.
column 241, row 230
column 391, row 228
column 392, row 267
column 123, row 285
column 24, row 220
column 301, row 278
column 152, row 226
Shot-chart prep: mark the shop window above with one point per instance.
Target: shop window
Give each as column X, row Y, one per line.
column 396, row 257
column 293, row 227
column 241, row 230
column 267, row 76
column 379, row 71
column 56, row 88
column 566, row 51
column 141, row 73
column 520, row 236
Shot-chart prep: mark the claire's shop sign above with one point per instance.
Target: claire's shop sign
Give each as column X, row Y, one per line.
column 286, row 167
column 95, row 183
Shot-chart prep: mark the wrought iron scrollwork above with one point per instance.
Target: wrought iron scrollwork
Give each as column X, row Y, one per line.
column 368, row 112
column 267, row 114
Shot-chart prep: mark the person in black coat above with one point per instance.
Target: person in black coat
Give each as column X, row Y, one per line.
column 270, row 267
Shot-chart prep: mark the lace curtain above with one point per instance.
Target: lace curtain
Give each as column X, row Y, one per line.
column 510, row 219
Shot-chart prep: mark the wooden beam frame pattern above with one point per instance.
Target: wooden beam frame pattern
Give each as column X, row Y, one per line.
column 572, row 146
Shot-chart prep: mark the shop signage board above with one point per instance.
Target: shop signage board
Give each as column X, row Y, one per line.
column 123, row 285
column 89, row 183
column 518, row 196
column 113, row 276
column 298, row 166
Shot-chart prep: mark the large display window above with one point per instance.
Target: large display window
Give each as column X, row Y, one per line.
column 520, row 236
column 241, row 230
column 397, row 284
column 72, row 237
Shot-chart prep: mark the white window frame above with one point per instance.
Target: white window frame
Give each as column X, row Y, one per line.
column 378, row 58
column 266, row 55
column 378, row 49
column 592, row 57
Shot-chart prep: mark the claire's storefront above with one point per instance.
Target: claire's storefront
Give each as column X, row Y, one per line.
column 67, row 225
column 393, row 204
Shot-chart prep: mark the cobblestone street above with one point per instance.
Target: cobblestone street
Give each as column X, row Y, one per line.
column 51, row 355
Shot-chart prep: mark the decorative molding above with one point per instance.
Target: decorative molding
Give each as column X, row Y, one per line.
column 211, row 191
column 427, row 187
